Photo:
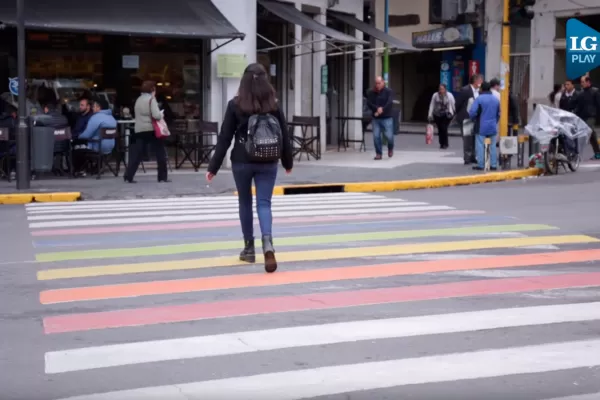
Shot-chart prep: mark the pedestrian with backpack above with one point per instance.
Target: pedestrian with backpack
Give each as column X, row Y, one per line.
column 253, row 118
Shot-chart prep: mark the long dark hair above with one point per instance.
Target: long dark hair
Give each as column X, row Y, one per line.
column 553, row 93
column 256, row 95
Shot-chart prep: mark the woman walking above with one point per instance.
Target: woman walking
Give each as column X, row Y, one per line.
column 258, row 125
column 441, row 111
column 146, row 110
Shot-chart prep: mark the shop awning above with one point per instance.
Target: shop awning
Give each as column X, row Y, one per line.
column 198, row 19
column 292, row 15
column 392, row 42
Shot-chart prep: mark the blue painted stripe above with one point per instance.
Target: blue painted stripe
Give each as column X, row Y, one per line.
column 215, row 234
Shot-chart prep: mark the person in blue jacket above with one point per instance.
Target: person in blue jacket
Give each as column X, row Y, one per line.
column 102, row 118
column 486, row 111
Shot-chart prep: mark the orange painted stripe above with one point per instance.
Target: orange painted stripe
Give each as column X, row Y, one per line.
column 308, row 276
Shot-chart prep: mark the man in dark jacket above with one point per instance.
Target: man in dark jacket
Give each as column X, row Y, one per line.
column 587, row 106
column 380, row 101
column 471, row 91
column 85, row 112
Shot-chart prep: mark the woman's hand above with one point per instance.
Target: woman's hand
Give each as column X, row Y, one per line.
column 209, row 177
column 288, row 171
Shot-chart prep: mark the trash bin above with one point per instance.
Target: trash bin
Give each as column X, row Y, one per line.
column 42, row 148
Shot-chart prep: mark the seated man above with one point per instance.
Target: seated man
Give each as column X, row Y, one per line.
column 101, row 118
column 486, row 110
column 81, row 120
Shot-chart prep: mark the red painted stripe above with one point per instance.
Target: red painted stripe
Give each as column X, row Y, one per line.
column 220, row 224
column 307, row 302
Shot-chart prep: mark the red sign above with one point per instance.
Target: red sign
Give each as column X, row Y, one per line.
column 473, row 67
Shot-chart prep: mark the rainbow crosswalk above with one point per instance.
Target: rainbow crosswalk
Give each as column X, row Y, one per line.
column 146, row 299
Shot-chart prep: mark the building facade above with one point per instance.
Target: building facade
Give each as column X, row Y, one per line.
column 315, row 60
column 548, row 42
column 451, row 47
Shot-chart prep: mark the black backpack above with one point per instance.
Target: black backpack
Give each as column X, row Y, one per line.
column 264, row 138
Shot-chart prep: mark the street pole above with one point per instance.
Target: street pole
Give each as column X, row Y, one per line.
column 504, row 69
column 386, row 52
column 23, row 171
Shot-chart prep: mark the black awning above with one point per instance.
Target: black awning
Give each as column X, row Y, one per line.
column 392, row 42
column 198, row 19
column 293, row 15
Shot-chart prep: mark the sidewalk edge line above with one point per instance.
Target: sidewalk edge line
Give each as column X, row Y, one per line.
column 392, row 186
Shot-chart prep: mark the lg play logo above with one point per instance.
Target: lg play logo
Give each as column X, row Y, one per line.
column 582, row 48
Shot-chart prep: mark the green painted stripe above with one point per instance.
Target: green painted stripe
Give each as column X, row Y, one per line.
column 287, row 241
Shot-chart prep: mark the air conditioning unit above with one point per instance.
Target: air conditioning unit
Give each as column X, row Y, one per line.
column 467, row 6
column 509, row 145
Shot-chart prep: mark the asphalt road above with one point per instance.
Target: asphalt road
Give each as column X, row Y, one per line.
column 485, row 292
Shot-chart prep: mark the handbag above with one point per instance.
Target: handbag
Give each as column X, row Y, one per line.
column 429, row 134
column 161, row 130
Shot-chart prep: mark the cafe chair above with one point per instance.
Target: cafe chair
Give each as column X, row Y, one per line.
column 308, row 143
column 209, row 133
column 63, row 151
column 7, row 153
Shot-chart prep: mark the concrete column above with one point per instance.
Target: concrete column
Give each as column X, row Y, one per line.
column 356, row 90
column 243, row 17
column 493, row 27
column 320, row 59
column 541, row 70
column 297, row 70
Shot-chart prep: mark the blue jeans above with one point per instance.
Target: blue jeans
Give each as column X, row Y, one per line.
column 264, row 176
column 387, row 125
column 480, row 151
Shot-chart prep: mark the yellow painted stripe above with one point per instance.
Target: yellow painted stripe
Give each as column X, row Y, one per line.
column 286, row 241
column 313, row 255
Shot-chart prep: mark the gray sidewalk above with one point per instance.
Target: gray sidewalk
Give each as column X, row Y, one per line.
column 412, row 160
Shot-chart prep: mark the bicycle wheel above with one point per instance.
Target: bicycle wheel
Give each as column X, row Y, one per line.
column 574, row 162
column 550, row 160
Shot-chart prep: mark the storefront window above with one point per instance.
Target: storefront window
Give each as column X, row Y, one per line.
column 177, row 77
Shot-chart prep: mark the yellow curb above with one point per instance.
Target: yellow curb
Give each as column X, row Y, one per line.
column 57, row 197
column 441, row 182
column 24, row 198
column 392, row 186
column 16, row 198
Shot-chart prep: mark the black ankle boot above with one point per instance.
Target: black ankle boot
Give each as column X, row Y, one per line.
column 269, row 252
column 248, row 254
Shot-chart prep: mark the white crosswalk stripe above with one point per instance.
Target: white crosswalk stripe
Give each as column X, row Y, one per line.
column 296, row 385
column 56, row 215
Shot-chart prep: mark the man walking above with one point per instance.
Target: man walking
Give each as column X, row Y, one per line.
column 471, row 91
column 586, row 108
column 380, row 101
column 486, row 109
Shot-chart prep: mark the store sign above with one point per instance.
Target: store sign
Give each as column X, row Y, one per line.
column 461, row 35
column 231, row 65
column 13, row 86
column 582, row 48
column 445, row 75
column 324, row 79
column 473, row 68
column 131, row 62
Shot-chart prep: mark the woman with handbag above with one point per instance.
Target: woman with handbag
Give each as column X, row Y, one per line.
column 147, row 114
column 257, row 125
column 441, row 111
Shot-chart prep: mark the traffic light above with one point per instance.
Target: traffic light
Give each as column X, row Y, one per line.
column 521, row 11
column 526, row 10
